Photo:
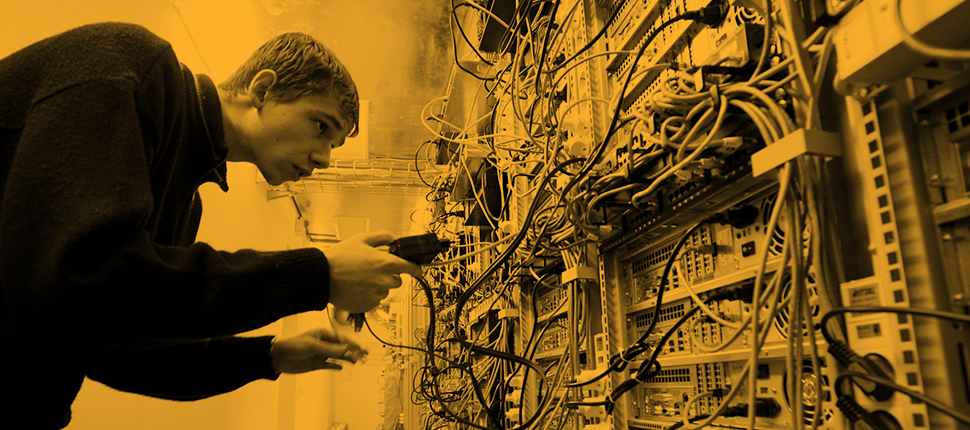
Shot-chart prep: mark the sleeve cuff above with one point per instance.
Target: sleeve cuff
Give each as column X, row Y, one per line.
column 263, row 364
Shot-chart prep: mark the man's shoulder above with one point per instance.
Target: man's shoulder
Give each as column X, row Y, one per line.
column 110, row 50
column 124, row 39
column 114, row 52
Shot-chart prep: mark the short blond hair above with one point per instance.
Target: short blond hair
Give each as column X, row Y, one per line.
column 302, row 65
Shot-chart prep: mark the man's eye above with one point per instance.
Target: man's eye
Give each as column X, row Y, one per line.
column 322, row 126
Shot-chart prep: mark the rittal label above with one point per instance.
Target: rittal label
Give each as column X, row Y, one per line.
column 865, row 295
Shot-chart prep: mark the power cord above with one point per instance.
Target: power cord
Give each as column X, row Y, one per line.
column 846, row 402
column 877, row 384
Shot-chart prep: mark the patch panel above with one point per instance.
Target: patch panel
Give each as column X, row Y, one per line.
column 679, row 342
column 667, row 394
column 552, row 341
column 549, row 303
column 706, row 332
column 698, row 256
column 670, row 9
column 710, row 377
column 646, row 286
column 635, row 18
column 666, row 44
column 663, row 402
column 734, row 43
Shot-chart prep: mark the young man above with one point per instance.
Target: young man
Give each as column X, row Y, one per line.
column 104, row 139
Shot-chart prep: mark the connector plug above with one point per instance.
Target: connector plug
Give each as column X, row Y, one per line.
column 585, row 376
column 419, row 249
column 740, row 217
column 743, row 292
column 593, row 412
column 763, row 408
column 857, row 363
column 766, row 408
column 512, row 415
column 719, row 392
column 514, row 397
column 711, row 15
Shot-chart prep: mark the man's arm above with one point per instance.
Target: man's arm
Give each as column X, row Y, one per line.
column 190, row 371
column 76, row 259
column 203, row 369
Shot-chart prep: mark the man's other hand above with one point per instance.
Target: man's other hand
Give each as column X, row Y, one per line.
column 313, row 350
column 361, row 275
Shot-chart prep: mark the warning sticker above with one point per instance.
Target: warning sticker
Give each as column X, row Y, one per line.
column 864, row 295
column 869, row 330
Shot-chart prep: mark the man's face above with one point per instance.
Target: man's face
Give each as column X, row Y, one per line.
column 290, row 139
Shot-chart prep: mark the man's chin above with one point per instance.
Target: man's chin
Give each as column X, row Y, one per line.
column 274, row 181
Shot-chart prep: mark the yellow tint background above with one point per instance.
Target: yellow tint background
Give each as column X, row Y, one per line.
column 213, row 37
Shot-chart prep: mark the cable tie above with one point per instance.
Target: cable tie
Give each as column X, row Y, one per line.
column 609, row 400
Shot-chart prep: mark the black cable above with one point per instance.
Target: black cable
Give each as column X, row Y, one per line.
column 854, row 363
column 501, row 260
column 513, row 28
column 651, row 367
column 467, row 370
column 664, row 278
column 611, row 130
column 480, row 280
column 936, row 404
column 417, row 168
column 430, row 343
column 680, row 424
column 545, row 47
column 619, row 361
column 590, row 43
column 881, row 309
column 705, row 15
column 464, row 36
column 532, row 336
column 367, row 323
column 454, row 41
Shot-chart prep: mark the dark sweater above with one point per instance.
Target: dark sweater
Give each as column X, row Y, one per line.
column 104, row 140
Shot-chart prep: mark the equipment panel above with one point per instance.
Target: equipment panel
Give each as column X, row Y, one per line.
column 677, row 214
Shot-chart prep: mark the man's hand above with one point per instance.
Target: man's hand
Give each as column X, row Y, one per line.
column 361, row 275
column 313, row 350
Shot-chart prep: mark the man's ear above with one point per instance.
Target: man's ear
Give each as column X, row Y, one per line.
column 260, row 86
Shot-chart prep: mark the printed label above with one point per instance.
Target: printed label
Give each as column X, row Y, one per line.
column 869, row 330
column 866, row 295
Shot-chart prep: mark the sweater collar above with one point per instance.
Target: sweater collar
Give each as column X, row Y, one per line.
column 211, row 109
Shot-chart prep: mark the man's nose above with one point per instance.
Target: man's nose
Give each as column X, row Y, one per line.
column 320, row 161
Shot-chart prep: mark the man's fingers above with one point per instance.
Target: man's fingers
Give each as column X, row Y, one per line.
column 400, row 265
column 379, row 238
column 395, row 264
column 330, row 350
column 329, row 365
column 345, row 351
column 330, row 337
